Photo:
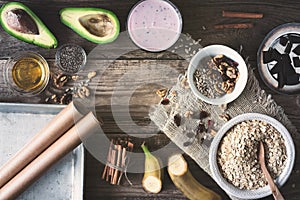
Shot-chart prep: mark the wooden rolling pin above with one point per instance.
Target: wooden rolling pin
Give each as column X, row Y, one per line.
column 65, row 144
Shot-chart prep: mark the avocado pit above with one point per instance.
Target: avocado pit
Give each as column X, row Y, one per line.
column 19, row 20
column 97, row 24
column 94, row 24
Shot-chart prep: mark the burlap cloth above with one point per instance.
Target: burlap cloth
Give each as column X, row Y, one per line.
column 182, row 101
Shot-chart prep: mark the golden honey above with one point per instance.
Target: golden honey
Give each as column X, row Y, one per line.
column 28, row 73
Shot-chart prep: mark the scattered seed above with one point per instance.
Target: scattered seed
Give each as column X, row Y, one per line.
column 53, row 96
column 213, row 132
column 188, row 114
column 75, row 77
column 60, row 81
column 184, row 83
column 225, row 117
column 174, row 93
column 223, row 107
column 81, row 94
column 91, row 74
column 86, row 91
column 65, row 99
column 71, row 58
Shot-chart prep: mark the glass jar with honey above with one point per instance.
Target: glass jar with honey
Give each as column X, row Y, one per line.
column 27, row 73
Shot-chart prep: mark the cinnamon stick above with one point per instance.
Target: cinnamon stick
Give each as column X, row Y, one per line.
column 130, row 146
column 123, row 159
column 116, row 170
column 106, row 167
column 234, row 26
column 242, row 15
column 44, row 138
column 112, row 162
column 66, row 143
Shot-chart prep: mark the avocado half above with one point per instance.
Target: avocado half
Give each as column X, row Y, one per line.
column 19, row 21
column 94, row 24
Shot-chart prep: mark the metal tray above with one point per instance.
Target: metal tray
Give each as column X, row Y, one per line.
column 20, row 122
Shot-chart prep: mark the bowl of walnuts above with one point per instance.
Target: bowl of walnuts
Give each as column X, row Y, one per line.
column 217, row 74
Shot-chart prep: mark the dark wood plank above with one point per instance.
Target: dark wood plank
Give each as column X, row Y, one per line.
column 140, row 102
column 199, row 20
column 97, row 188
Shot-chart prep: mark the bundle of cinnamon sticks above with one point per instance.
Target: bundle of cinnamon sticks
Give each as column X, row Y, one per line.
column 60, row 136
column 117, row 161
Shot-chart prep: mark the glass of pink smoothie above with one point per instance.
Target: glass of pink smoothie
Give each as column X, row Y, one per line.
column 154, row 25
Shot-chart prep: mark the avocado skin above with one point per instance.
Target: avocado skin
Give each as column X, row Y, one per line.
column 77, row 27
column 38, row 40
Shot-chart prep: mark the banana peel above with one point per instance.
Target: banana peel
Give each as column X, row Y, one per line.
column 152, row 180
column 184, row 180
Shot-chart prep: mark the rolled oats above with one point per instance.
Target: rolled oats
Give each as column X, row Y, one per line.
column 237, row 154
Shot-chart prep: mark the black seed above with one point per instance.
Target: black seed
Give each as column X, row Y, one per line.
column 71, row 58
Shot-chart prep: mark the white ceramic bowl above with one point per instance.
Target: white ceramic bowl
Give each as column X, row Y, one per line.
column 261, row 192
column 211, row 51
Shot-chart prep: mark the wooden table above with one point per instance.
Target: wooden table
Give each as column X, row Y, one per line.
column 199, row 19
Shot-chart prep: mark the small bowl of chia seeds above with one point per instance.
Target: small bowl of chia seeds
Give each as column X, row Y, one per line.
column 70, row 58
column 234, row 160
column 217, row 74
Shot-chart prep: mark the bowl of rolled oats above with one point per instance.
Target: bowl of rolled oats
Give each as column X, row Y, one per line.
column 217, row 74
column 233, row 155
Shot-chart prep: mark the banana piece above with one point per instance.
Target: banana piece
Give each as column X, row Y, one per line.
column 152, row 180
column 184, row 180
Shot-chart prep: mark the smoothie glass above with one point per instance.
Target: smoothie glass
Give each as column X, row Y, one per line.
column 154, row 25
